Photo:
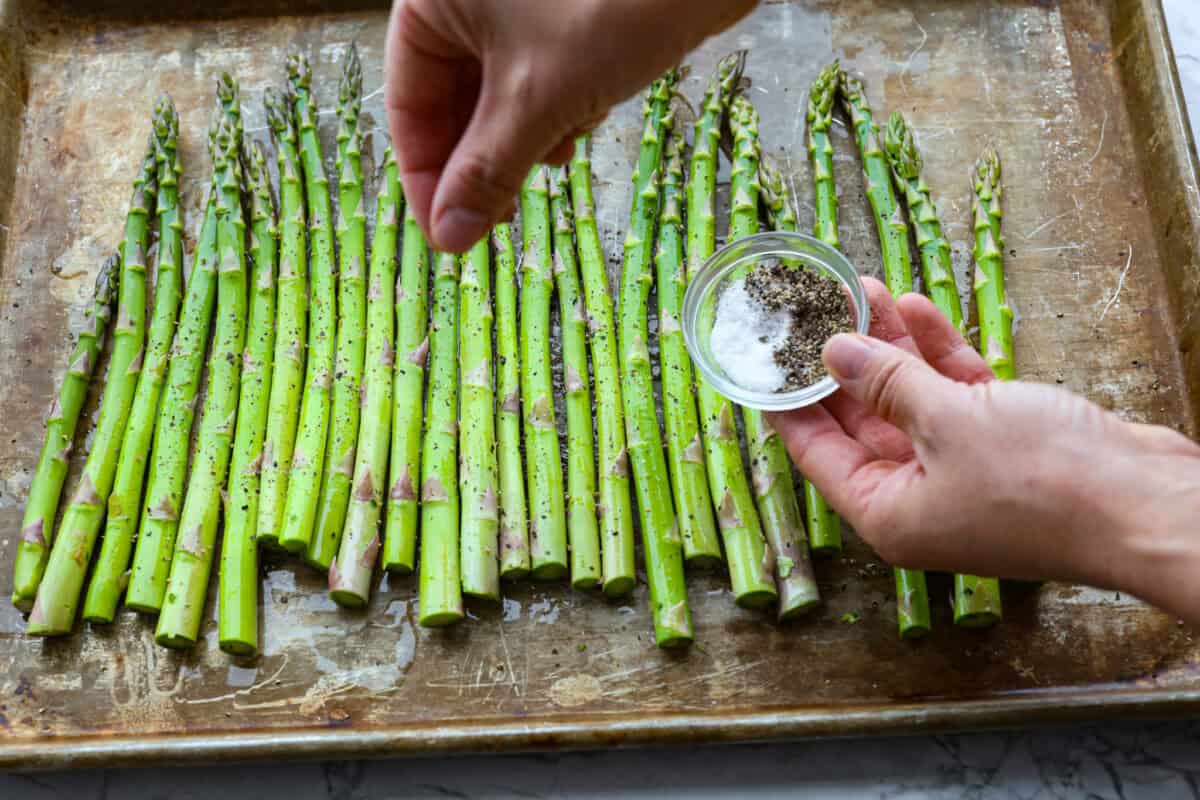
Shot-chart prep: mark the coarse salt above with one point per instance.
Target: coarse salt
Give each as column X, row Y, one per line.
column 744, row 339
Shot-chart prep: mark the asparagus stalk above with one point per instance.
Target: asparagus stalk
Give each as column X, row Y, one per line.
column 57, row 596
column 183, row 606
column 752, row 564
column 352, row 322
column 889, row 217
column 237, row 598
column 440, row 574
column 784, row 529
column 350, row 573
column 912, row 596
column 37, row 526
column 616, row 510
column 169, row 456
column 514, row 521
column 412, row 349
column 548, row 536
column 308, row 456
column 661, row 543
column 477, row 432
column 730, row 491
column 689, row 478
column 109, row 576
column 291, row 311
column 907, row 165
column 976, row 600
column 995, row 314
column 582, row 531
column 824, row 527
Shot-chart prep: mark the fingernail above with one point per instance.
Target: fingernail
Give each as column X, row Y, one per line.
column 459, row 228
column 846, row 355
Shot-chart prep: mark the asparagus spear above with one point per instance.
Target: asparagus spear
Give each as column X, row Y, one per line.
column 440, row 575
column 616, row 510
column 308, row 456
column 183, row 605
column 352, row 322
column 237, row 598
column 824, row 527
column 169, row 456
column 109, row 576
column 907, row 164
column 689, row 478
column 912, row 596
column 291, row 311
column 995, row 314
column 660, row 535
column 514, row 521
column 582, row 531
column 548, row 536
column 730, row 491
column 477, row 432
column 412, row 349
column 350, row 573
column 37, row 526
column 889, row 218
column 794, row 577
column 976, row 600
column 57, row 596
column 752, row 566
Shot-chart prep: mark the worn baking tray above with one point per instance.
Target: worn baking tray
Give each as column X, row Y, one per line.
column 1103, row 224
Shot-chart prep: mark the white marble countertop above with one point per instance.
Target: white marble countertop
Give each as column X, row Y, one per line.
column 1121, row 761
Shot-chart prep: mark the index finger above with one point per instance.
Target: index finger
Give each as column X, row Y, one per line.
column 425, row 120
column 846, row 472
column 939, row 343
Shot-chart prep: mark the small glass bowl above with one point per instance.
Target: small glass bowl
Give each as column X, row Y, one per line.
column 734, row 261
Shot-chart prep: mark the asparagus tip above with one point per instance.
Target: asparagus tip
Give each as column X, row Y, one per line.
column 299, row 70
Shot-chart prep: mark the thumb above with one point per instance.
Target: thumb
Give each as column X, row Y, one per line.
column 898, row 387
column 503, row 140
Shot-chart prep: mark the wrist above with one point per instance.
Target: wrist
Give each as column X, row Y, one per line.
column 1157, row 552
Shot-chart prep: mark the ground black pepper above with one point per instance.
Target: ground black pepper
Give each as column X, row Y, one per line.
column 819, row 309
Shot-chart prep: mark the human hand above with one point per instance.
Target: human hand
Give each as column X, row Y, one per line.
column 480, row 90
column 938, row 466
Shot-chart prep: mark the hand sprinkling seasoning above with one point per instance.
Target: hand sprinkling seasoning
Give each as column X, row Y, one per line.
column 771, row 326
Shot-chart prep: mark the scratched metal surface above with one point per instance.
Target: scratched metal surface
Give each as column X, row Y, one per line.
column 1101, row 225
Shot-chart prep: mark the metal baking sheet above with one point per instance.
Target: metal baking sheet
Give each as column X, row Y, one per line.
column 1103, row 227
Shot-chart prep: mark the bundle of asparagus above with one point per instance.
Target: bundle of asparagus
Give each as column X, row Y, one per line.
column 237, row 608
column 350, row 572
column 547, row 512
column 615, row 509
column 351, row 323
column 308, row 456
column 583, row 535
column 661, row 544
column 291, row 314
column 311, row 416
column 57, row 595
column 187, row 584
column 912, row 596
column 37, row 526
column 976, row 600
column 824, row 527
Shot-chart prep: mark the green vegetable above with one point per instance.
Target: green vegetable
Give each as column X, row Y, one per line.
column 57, row 597
column 350, row 573
column 237, row 598
column 582, row 530
column 661, row 545
column 615, row 508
